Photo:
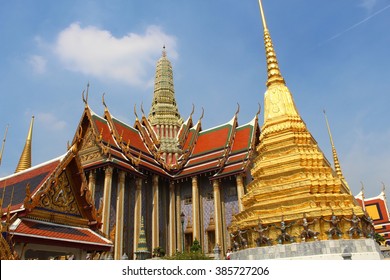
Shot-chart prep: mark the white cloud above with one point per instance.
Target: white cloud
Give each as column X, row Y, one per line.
column 368, row 4
column 50, row 121
column 96, row 52
column 38, row 64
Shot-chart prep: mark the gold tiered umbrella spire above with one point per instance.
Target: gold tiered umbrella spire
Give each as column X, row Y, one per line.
column 278, row 100
column 25, row 158
column 274, row 74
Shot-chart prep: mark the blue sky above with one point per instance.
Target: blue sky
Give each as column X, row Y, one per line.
column 334, row 55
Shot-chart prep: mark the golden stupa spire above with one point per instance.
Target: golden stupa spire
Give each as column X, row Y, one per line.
column 2, row 146
column 274, row 74
column 278, row 100
column 334, row 152
column 291, row 176
column 25, row 158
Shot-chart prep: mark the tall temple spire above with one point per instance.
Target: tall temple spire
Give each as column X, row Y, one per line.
column 274, row 74
column 278, row 100
column 25, row 158
column 164, row 115
column 3, row 144
column 334, row 152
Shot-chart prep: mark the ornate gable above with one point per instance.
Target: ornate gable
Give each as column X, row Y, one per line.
column 60, row 197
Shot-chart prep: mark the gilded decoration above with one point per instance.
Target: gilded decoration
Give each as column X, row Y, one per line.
column 89, row 151
column 295, row 192
column 60, row 197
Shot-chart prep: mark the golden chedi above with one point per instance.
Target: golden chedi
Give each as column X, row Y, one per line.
column 295, row 194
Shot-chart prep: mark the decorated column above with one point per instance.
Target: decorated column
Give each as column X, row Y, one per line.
column 107, row 201
column 240, row 191
column 217, row 214
column 137, row 211
column 179, row 232
column 120, row 200
column 172, row 228
column 195, row 209
column 155, row 214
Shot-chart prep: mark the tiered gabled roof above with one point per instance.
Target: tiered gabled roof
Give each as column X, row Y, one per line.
column 51, row 201
column 242, row 149
column 210, row 150
column 216, row 150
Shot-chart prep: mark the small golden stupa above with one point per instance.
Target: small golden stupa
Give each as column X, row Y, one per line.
column 295, row 194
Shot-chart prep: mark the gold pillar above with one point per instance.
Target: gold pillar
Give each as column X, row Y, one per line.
column 217, row 214
column 155, row 214
column 179, row 232
column 107, row 201
column 195, row 209
column 137, row 212
column 92, row 183
column 172, row 228
column 120, row 201
column 240, row 192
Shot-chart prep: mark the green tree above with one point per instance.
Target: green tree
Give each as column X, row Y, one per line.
column 379, row 238
column 196, row 246
column 195, row 253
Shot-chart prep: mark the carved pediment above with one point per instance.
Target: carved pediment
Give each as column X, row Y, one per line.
column 89, row 150
column 60, row 197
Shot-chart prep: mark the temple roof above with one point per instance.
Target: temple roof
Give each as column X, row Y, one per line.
column 50, row 204
column 13, row 187
column 136, row 149
column 51, row 233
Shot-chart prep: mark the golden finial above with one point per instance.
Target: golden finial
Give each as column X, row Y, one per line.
column 193, row 110
column 164, row 52
column 259, row 110
column 2, row 146
column 334, row 152
column 135, row 111
column 104, row 102
column 142, row 109
column 85, row 99
column 87, row 90
column 238, row 109
column 25, row 158
column 201, row 117
column 274, row 74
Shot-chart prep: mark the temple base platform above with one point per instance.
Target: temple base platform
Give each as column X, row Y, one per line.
column 343, row 249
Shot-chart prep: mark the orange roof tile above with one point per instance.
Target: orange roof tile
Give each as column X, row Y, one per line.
column 130, row 133
column 61, row 233
column 212, row 139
